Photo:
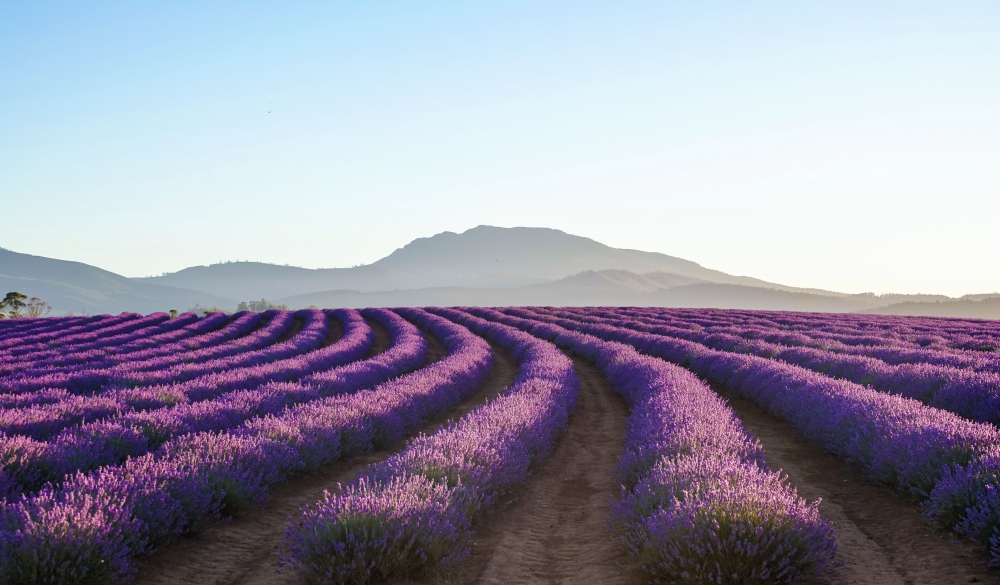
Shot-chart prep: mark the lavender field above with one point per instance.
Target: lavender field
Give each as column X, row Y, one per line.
column 535, row 444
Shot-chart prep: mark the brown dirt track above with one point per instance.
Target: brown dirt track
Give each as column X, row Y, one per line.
column 554, row 529
column 881, row 537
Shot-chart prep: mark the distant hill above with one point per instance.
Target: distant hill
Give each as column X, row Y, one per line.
column 968, row 307
column 255, row 280
column 482, row 257
column 74, row 287
column 604, row 287
column 486, row 266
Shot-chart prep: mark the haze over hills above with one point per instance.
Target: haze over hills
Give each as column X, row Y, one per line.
column 482, row 266
column 75, row 287
column 969, row 307
column 482, row 257
column 604, row 287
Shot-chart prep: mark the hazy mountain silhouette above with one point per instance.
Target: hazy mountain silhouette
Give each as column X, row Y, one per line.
column 80, row 288
column 604, row 287
column 255, row 280
column 482, row 257
column 985, row 306
column 483, row 266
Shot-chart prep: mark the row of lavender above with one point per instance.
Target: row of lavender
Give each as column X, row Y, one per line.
column 950, row 463
column 972, row 394
column 41, row 420
column 887, row 345
column 416, row 508
column 64, row 332
column 188, row 357
column 893, row 341
column 92, row 526
column 44, row 444
column 699, row 504
column 971, row 334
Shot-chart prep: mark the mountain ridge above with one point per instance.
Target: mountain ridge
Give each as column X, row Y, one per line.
column 481, row 257
column 484, row 265
column 70, row 286
column 605, row 287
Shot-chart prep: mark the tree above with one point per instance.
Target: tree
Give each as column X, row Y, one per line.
column 259, row 306
column 38, row 308
column 206, row 310
column 13, row 303
column 173, row 313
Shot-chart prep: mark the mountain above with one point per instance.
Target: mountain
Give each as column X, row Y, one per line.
column 74, row 287
column 968, row 307
column 603, row 287
column 482, row 257
column 485, row 266
column 255, row 280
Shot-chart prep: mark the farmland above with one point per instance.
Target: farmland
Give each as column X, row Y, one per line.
column 532, row 444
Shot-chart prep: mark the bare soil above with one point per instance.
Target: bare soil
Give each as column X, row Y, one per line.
column 297, row 324
column 554, row 528
column 245, row 550
column 882, row 539
column 334, row 331
column 381, row 339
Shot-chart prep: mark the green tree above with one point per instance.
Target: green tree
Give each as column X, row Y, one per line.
column 13, row 304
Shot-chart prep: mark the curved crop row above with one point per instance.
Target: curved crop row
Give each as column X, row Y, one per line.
column 23, row 328
column 29, row 463
column 182, row 327
column 416, row 508
column 55, row 329
column 91, row 528
column 888, row 349
column 948, row 462
column 974, row 395
column 258, row 346
column 42, row 421
column 234, row 336
column 889, row 334
column 124, row 323
column 209, row 333
column 968, row 334
column 144, row 328
column 699, row 504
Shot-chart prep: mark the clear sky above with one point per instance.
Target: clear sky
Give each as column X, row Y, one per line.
column 852, row 146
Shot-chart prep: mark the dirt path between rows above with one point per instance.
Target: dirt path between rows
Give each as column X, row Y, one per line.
column 881, row 537
column 381, row 340
column 245, row 550
column 297, row 324
column 554, row 528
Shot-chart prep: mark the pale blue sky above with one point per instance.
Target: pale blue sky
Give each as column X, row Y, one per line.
column 846, row 145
